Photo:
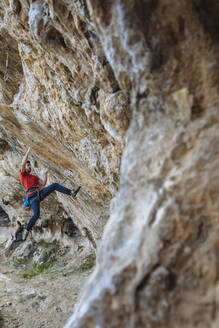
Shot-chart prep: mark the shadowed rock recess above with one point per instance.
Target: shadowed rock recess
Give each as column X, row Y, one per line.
column 122, row 98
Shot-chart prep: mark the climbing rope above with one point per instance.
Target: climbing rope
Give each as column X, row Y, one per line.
column 6, row 69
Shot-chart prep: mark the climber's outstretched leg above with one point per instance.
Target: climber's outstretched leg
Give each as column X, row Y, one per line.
column 57, row 187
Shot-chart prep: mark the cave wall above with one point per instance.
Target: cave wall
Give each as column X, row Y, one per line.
column 158, row 259
column 86, row 72
column 62, row 99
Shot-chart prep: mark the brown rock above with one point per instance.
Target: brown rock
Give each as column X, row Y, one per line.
column 91, row 82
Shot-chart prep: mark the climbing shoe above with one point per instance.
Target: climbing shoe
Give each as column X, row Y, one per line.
column 25, row 234
column 74, row 193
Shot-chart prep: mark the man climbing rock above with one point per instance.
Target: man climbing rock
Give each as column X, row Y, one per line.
column 36, row 190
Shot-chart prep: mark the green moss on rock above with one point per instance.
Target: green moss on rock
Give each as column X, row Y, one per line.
column 36, row 269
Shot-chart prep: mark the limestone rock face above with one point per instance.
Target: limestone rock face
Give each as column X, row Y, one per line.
column 80, row 73
column 62, row 99
column 158, row 259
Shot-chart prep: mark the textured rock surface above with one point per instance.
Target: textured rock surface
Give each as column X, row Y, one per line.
column 76, row 67
column 158, row 260
column 63, row 100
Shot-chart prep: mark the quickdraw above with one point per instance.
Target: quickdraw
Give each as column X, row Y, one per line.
column 15, row 140
column 99, row 217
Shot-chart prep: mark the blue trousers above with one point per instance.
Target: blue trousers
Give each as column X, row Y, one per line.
column 35, row 201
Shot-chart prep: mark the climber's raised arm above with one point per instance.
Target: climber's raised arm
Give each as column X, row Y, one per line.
column 24, row 160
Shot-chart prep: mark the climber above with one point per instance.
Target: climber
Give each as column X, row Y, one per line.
column 35, row 191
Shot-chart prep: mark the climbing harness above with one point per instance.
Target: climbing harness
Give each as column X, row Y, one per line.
column 27, row 200
column 6, row 69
